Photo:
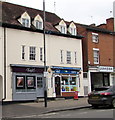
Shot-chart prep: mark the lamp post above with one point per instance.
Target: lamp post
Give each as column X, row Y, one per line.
column 45, row 70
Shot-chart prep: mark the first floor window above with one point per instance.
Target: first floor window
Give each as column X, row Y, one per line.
column 41, row 54
column 23, row 52
column 96, row 56
column 61, row 56
column 68, row 57
column 32, row 55
column 75, row 57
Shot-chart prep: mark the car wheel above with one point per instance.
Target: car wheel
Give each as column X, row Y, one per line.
column 113, row 103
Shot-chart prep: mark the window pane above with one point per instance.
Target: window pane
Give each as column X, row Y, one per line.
column 61, row 54
column 41, row 54
column 23, row 52
column 96, row 57
column 32, row 55
column 68, row 57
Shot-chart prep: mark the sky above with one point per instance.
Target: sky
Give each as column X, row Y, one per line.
column 79, row 11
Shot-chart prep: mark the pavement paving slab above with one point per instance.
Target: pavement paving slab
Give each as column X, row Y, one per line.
column 36, row 108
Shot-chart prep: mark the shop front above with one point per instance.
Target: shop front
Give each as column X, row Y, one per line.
column 67, row 81
column 27, row 82
column 102, row 76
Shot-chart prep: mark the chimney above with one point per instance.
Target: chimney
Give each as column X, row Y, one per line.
column 110, row 24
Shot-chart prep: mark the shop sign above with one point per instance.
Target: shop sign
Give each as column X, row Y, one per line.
column 27, row 69
column 65, row 68
column 105, row 69
column 66, row 72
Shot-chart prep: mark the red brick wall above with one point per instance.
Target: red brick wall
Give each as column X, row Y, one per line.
column 105, row 47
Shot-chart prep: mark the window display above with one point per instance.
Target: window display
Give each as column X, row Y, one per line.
column 30, row 81
column 20, row 82
column 68, row 84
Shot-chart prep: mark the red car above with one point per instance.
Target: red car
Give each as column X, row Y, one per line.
column 102, row 96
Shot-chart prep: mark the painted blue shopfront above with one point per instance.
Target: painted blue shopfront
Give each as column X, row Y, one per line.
column 67, row 80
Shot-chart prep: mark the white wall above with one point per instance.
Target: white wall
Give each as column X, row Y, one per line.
column 57, row 43
column 17, row 38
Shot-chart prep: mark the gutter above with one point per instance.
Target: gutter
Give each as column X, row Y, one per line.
column 40, row 31
column 4, row 64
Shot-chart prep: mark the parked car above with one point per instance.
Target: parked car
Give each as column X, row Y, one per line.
column 102, row 96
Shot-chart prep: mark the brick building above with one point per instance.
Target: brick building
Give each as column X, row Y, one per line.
column 98, row 54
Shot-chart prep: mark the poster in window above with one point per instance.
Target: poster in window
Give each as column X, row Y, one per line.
column 30, row 82
column 20, row 82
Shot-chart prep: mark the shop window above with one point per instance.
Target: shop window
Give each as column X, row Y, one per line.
column 30, row 82
column 25, row 83
column 39, row 82
column 68, row 84
column 20, row 82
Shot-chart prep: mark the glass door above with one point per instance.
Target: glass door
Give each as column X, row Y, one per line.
column 40, row 86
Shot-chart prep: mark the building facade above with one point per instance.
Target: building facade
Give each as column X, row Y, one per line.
column 98, row 54
column 22, row 50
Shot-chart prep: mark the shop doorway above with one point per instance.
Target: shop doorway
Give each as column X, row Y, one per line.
column 1, row 88
column 40, row 86
column 57, row 86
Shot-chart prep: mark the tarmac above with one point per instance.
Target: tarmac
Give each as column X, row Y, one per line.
column 36, row 108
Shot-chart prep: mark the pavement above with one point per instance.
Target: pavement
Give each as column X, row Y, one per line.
column 32, row 109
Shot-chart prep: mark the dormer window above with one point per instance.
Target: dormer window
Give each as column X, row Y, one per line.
column 72, row 29
column 38, row 22
column 62, row 27
column 25, row 20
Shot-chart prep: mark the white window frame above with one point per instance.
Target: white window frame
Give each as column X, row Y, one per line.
column 96, row 55
column 68, row 57
column 41, row 54
column 38, row 24
column 61, row 56
column 32, row 53
column 95, row 37
column 23, row 52
column 63, row 29
column 25, row 22
column 73, row 31
column 75, row 57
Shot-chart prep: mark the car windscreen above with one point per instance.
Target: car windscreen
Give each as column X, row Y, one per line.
column 104, row 89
